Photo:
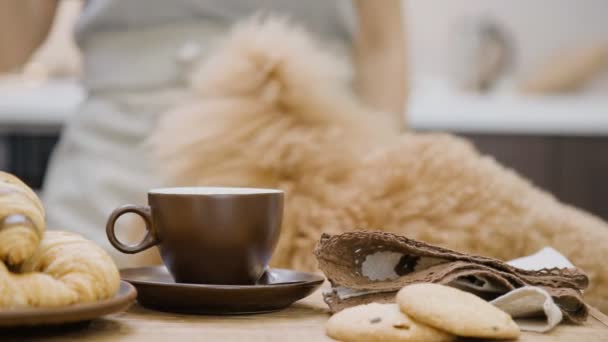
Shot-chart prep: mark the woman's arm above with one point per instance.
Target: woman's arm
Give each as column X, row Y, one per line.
column 24, row 24
column 380, row 57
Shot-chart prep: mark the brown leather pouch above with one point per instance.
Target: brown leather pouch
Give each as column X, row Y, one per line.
column 368, row 267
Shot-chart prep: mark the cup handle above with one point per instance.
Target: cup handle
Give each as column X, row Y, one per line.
column 144, row 212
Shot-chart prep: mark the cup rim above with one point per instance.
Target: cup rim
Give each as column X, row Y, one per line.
column 212, row 191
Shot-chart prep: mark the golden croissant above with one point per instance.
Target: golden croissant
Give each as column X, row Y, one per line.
column 21, row 220
column 46, row 269
column 65, row 269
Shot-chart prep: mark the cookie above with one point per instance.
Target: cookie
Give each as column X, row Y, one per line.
column 455, row 311
column 380, row 322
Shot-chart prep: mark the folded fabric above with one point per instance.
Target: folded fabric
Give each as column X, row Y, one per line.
column 526, row 305
column 546, row 257
column 366, row 267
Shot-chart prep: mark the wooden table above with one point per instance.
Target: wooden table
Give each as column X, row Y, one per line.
column 304, row 321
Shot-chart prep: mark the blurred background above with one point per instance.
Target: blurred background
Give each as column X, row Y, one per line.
column 527, row 81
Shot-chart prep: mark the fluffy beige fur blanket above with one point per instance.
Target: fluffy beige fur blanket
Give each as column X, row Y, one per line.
column 273, row 108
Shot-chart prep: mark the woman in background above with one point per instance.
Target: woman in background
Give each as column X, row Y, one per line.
column 136, row 59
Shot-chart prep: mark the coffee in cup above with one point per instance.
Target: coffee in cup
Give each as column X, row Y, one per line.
column 208, row 235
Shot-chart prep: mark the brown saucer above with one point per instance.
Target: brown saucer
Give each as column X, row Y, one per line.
column 69, row 314
column 277, row 289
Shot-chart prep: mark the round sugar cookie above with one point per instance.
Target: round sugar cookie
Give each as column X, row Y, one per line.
column 380, row 322
column 455, row 311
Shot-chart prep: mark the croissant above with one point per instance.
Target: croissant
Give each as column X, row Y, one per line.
column 21, row 220
column 46, row 269
column 65, row 269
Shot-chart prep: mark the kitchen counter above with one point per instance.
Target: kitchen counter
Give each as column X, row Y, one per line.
column 30, row 105
column 432, row 107
column 438, row 108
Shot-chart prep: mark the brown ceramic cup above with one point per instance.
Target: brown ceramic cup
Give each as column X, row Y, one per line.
column 208, row 235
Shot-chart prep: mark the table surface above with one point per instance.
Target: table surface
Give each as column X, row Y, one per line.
column 303, row 321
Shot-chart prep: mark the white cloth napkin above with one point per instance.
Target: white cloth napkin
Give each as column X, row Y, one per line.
column 545, row 258
column 532, row 308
